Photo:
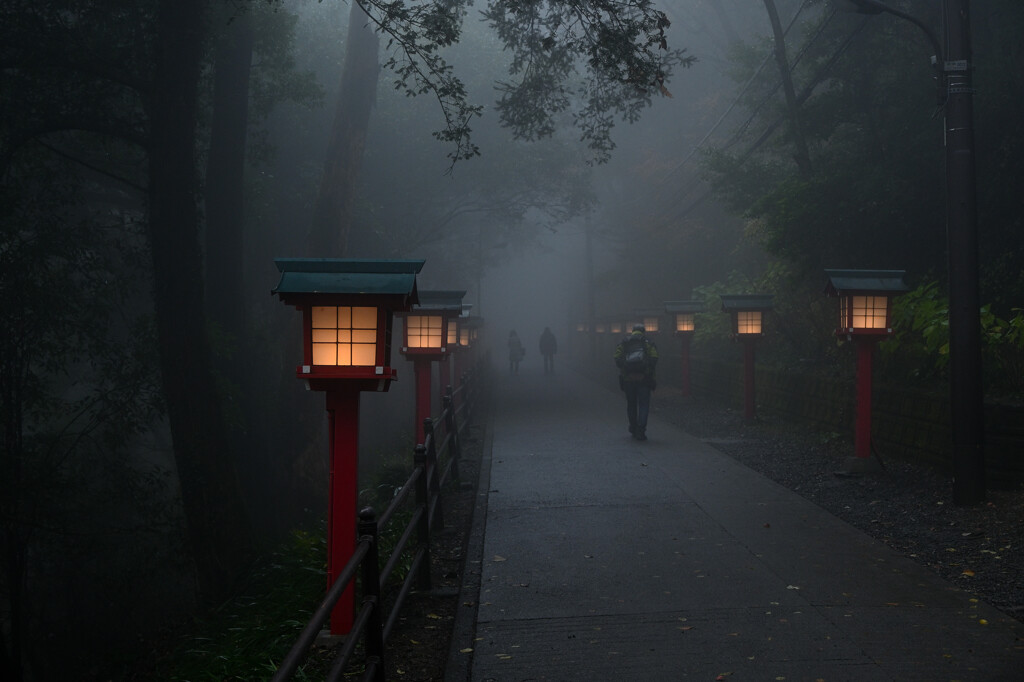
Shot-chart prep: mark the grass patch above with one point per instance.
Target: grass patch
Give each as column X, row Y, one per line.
column 247, row 636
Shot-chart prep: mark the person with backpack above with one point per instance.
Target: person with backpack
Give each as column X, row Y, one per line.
column 636, row 356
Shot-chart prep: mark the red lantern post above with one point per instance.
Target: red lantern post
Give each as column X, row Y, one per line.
column 426, row 341
column 347, row 310
column 683, row 313
column 865, row 302
column 747, row 312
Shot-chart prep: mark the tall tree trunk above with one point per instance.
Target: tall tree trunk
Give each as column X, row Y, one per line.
column 225, row 172
column 214, row 513
column 332, row 217
column 800, row 153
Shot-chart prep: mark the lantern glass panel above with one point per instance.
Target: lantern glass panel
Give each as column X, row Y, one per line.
column 684, row 322
column 651, row 324
column 424, row 331
column 464, row 337
column 616, row 328
column 748, row 322
column 600, row 328
column 344, row 335
column 453, row 332
column 869, row 312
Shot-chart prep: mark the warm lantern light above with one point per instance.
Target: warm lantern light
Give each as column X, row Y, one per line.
column 650, row 324
column 748, row 322
column 464, row 337
column 865, row 312
column 865, row 298
column 747, row 312
column 601, row 327
column 615, row 328
column 453, row 331
column 424, row 331
column 684, row 313
column 344, row 336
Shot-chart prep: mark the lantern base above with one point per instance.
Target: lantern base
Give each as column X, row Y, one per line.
column 861, row 465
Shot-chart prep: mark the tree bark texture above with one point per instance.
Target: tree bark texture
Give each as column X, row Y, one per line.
column 800, row 153
column 217, row 526
column 332, row 216
column 225, row 172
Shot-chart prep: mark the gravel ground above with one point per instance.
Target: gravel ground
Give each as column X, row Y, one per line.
column 907, row 506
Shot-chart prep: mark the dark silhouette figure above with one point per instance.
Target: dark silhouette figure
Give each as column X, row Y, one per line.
column 636, row 357
column 515, row 352
column 548, row 348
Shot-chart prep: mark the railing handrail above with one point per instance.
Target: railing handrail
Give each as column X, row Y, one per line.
column 426, row 480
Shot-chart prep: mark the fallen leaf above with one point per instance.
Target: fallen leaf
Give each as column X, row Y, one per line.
column 467, row 650
column 982, row 621
column 413, row 641
column 968, row 572
column 433, row 616
column 498, row 557
column 792, row 587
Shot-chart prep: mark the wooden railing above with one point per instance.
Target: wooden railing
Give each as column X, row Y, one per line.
column 435, row 462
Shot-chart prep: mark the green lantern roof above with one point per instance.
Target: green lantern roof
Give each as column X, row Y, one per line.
column 441, row 301
column 686, row 307
column 737, row 302
column 865, row 281
column 347, row 276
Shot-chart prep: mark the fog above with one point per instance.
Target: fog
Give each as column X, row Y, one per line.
column 159, row 367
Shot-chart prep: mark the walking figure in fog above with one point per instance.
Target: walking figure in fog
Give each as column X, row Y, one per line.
column 636, row 357
column 515, row 352
column 548, row 348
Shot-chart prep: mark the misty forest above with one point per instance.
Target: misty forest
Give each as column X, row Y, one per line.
column 561, row 161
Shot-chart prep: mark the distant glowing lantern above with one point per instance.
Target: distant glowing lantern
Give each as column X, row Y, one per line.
column 683, row 313
column 747, row 311
column 650, row 319
column 433, row 323
column 426, row 341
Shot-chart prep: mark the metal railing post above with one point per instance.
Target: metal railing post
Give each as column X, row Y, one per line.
column 424, row 581
column 371, row 594
column 433, row 472
column 453, row 432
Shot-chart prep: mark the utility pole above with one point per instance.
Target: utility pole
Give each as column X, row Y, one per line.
column 966, row 394
column 966, row 397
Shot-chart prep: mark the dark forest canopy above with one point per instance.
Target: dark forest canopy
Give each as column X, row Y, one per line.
column 109, row 114
column 156, row 155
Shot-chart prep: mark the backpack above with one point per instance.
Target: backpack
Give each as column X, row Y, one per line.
column 634, row 355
